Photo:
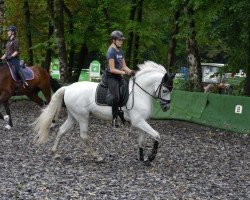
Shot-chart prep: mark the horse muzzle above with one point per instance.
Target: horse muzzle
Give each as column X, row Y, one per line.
column 165, row 105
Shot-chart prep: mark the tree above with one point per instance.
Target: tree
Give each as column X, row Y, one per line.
column 193, row 54
column 131, row 32
column 27, row 29
column 247, row 84
column 61, row 45
column 2, row 20
column 172, row 40
column 48, row 55
column 137, row 33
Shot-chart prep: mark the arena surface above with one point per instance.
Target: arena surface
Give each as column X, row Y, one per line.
column 193, row 162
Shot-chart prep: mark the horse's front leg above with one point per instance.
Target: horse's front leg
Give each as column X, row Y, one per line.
column 142, row 144
column 153, row 154
column 7, row 117
column 144, row 126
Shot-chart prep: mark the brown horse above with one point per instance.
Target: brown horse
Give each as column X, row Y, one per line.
column 9, row 87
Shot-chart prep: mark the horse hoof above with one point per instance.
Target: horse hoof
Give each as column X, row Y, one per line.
column 57, row 156
column 6, row 118
column 147, row 163
column 7, row 126
column 100, row 159
column 52, row 125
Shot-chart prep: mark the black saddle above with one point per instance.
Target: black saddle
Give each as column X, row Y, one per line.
column 104, row 98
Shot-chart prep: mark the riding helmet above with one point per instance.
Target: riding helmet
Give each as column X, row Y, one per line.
column 12, row 28
column 117, row 35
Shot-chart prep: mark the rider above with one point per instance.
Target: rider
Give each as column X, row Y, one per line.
column 12, row 52
column 116, row 67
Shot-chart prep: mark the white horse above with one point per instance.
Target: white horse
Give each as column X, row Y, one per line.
column 151, row 80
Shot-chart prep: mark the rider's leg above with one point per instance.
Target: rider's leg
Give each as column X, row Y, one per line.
column 113, row 85
column 16, row 63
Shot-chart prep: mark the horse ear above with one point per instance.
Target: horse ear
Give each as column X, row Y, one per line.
column 172, row 75
column 165, row 77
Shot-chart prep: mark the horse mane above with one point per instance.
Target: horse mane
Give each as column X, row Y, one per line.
column 149, row 66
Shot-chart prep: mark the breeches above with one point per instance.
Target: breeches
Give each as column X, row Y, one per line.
column 114, row 85
column 16, row 63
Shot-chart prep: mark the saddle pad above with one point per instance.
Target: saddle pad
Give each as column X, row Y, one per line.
column 100, row 96
column 27, row 72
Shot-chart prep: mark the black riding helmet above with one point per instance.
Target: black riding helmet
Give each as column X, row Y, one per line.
column 12, row 28
column 116, row 35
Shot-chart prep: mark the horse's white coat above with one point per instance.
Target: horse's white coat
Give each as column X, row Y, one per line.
column 80, row 102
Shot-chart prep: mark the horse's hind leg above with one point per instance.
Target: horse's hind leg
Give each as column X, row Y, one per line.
column 63, row 129
column 47, row 93
column 84, row 135
column 34, row 97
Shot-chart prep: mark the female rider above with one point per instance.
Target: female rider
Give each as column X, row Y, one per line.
column 12, row 52
column 116, row 67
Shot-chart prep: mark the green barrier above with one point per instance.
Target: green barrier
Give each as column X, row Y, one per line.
column 219, row 111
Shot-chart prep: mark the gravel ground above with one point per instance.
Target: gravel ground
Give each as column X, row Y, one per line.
column 194, row 162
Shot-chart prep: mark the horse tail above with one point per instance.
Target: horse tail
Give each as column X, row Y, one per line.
column 43, row 122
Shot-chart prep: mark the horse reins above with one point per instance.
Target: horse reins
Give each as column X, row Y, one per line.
column 156, row 98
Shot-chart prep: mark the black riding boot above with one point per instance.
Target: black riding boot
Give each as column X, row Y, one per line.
column 115, row 114
column 25, row 84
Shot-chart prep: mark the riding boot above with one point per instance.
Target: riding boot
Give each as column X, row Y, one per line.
column 25, row 84
column 121, row 115
column 115, row 114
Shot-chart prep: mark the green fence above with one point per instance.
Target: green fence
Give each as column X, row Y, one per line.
column 219, row 111
column 84, row 76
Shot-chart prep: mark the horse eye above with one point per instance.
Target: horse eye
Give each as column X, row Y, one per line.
column 164, row 91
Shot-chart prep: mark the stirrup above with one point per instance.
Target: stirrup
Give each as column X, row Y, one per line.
column 25, row 84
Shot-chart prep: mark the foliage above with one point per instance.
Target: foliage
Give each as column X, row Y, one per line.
column 221, row 29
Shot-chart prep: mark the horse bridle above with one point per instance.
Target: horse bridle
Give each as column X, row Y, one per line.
column 159, row 88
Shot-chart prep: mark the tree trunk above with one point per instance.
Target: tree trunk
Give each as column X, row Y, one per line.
column 195, row 80
column 247, row 84
column 59, row 31
column 46, row 63
column 137, row 36
column 28, row 31
column 72, row 45
column 2, row 19
column 106, row 16
column 55, row 85
column 131, row 33
column 83, row 54
column 172, row 41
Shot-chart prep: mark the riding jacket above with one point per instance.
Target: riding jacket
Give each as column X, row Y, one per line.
column 12, row 46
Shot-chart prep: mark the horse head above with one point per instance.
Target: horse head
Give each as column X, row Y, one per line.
column 165, row 88
column 161, row 80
